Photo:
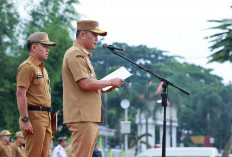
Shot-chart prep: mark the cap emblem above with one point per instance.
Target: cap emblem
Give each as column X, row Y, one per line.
column 46, row 39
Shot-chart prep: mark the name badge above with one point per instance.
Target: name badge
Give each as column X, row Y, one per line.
column 39, row 76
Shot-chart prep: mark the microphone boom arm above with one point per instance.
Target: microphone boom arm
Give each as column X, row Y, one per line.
column 150, row 72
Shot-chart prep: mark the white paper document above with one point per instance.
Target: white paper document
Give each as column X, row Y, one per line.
column 119, row 73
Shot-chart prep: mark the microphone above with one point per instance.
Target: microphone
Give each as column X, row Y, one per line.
column 111, row 47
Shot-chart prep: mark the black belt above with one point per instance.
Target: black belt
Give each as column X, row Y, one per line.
column 39, row 108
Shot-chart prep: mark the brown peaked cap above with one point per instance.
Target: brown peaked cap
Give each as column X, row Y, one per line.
column 40, row 37
column 90, row 25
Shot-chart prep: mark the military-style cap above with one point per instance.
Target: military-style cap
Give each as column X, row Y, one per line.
column 90, row 25
column 19, row 134
column 40, row 37
column 5, row 133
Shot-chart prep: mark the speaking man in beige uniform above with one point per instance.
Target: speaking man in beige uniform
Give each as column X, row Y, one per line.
column 17, row 148
column 82, row 106
column 33, row 96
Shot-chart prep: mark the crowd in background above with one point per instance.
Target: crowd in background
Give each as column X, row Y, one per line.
column 16, row 147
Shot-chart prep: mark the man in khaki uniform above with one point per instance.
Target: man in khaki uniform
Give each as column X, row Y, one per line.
column 17, row 149
column 33, row 96
column 5, row 150
column 82, row 106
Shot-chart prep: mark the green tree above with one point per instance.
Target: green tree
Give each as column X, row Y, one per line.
column 221, row 42
column 8, row 24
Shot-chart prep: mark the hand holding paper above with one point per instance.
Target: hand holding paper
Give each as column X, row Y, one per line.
column 121, row 73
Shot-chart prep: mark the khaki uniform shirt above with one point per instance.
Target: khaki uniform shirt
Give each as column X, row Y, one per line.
column 32, row 75
column 17, row 150
column 5, row 150
column 79, row 105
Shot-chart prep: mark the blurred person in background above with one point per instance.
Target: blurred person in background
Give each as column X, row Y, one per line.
column 17, row 148
column 5, row 150
column 96, row 152
column 60, row 149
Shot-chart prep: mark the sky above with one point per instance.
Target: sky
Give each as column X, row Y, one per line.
column 176, row 26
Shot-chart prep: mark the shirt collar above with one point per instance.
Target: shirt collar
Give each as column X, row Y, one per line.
column 35, row 61
column 82, row 49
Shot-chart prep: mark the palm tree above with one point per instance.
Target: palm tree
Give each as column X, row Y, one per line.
column 222, row 48
column 221, row 42
column 138, row 139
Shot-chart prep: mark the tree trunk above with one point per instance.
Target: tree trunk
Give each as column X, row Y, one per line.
column 227, row 148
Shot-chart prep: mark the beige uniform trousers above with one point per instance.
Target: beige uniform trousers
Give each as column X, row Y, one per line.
column 84, row 137
column 38, row 143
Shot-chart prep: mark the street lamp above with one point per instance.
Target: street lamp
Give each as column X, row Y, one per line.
column 125, row 125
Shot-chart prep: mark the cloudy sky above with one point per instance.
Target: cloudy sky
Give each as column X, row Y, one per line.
column 176, row 26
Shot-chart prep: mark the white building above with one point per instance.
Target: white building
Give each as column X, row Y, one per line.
column 155, row 128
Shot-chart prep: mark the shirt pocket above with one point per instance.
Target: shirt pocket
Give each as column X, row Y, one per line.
column 38, row 81
column 38, row 87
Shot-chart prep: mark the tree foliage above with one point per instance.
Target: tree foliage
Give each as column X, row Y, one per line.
column 221, row 42
column 8, row 23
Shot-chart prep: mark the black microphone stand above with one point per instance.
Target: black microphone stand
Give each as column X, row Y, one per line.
column 164, row 96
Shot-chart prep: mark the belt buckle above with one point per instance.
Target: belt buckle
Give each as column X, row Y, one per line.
column 40, row 108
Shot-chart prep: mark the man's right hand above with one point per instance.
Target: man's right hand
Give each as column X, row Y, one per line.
column 27, row 127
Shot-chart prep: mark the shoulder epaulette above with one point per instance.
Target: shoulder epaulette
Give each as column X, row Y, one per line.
column 77, row 56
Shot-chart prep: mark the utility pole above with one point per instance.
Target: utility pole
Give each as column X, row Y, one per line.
column 125, row 125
